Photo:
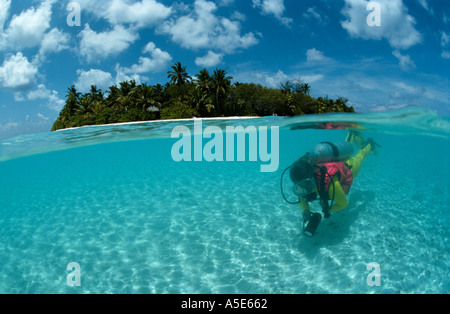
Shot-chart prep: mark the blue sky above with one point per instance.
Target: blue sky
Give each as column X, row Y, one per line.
column 327, row 43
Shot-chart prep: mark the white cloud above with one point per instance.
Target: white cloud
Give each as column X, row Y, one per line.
column 271, row 79
column 210, row 60
column 411, row 90
column 9, row 130
column 397, row 26
column 41, row 116
column 142, row 13
column 121, row 76
column 8, row 125
column 201, row 29
column 53, row 101
column 54, row 41
column 445, row 18
column 17, row 73
column 312, row 78
column 275, row 7
column 425, row 5
column 409, row 93
column 314, row 55
column 225, row 3
column 312, row 14
column 27, row 29
column 97, row 46
column 238, row 16
column 28, row 126
column 103, row 80
column 445, row 41
column 4, row 12
column 158, row 61
column 405, row 61
column 276, row 80
column 387, row 107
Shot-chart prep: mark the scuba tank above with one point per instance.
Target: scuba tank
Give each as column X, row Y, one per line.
column 332, row 152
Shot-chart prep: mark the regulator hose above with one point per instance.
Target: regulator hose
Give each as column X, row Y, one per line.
column 282, row 191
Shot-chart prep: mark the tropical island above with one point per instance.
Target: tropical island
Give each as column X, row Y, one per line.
column 184, row 97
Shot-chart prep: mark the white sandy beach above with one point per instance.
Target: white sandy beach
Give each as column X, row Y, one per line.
column 162, row 121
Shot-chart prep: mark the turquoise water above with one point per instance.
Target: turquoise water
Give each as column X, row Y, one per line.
column 112, row 199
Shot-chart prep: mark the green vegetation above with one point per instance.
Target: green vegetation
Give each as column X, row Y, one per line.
column 184, row 97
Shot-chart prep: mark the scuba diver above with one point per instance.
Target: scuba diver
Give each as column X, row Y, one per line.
column 326, row 174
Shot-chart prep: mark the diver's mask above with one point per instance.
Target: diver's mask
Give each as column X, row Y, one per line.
column 305, row 187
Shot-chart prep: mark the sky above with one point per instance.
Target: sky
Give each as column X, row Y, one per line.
column 381, row 55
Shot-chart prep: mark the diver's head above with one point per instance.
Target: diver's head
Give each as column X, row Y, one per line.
column 301, row 169
column 302, row 175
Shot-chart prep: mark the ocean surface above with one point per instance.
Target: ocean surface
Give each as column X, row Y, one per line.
column 113, row 200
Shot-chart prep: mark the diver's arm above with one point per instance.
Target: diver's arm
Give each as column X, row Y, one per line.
column 340, row 200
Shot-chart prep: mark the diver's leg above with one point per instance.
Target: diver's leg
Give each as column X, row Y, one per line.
column 356, row 162
column 356, row 138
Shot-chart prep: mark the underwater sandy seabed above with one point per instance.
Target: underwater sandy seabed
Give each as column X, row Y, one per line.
column 137, row 222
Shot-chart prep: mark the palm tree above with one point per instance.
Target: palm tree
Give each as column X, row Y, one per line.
column 144, row 97
column 287, row 87
column 159, row 93
column 220, row 84
column 113, row 94
column 178, row 76
column 72, row 91
column 306, row 89
column 121, row 98
column 95, row 94
column 85, row 105
column 203, row 79
column 126, row 88
column 72, row 102
column 201, row 100
column 201, row 94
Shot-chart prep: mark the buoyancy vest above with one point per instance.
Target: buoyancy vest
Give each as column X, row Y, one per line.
column 333, row 169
